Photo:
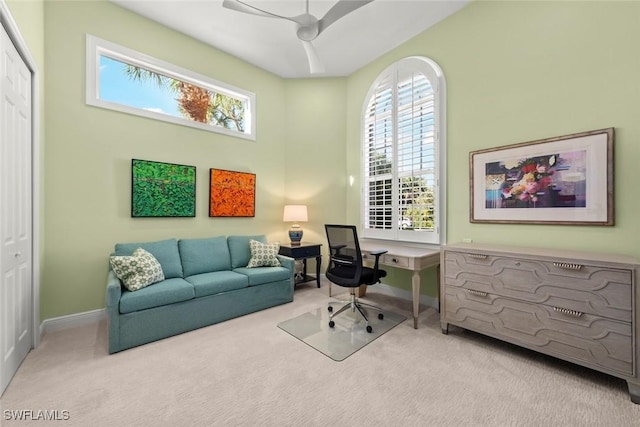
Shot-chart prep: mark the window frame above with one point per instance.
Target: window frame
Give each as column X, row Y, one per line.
column 96, row 47
column 435, row 75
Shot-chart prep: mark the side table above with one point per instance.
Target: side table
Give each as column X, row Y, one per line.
column 304, row 251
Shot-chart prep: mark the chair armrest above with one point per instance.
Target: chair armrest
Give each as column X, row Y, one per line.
column 378, row 252
column 335, row 249
column 376, row 269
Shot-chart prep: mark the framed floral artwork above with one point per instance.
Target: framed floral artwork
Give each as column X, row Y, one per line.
column 561, row 180
column 162, row 189
column 232, row 194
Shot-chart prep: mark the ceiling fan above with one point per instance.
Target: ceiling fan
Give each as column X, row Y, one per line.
column 308, row 26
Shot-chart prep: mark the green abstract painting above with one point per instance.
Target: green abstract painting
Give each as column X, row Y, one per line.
column 162, row 189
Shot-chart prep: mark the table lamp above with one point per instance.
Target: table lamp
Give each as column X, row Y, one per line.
column 295, row 214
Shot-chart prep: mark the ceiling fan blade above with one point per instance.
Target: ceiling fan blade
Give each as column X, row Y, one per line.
column 340, row 9
column 240, row 6
column 315, row 66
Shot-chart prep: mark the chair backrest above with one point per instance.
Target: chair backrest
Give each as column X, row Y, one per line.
column 345, row 259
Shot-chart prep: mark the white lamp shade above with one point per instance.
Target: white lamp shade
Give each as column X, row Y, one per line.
column 295, row 213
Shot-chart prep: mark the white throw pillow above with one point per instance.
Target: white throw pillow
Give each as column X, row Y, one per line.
column 263, row 254
column 137, row 271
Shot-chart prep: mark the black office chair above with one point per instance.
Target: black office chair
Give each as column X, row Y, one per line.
column 346, row 269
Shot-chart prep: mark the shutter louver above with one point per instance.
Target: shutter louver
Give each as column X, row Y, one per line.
column 416, row 153
column 379, row 158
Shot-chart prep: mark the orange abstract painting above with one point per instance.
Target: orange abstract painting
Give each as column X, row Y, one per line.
column 232, row 193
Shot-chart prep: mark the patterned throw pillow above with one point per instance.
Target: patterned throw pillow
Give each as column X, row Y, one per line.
column 138, row 270
column 263, row 254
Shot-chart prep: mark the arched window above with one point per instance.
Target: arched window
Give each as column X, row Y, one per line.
column 403, row 146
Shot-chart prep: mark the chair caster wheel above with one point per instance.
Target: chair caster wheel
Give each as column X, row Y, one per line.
column 330, row 309
column 369, row 329
column 332, row 323
column 380, row 316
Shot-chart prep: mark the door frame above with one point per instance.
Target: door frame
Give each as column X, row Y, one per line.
column 11, row 27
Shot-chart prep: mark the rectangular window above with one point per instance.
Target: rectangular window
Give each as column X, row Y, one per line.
column 124, row 80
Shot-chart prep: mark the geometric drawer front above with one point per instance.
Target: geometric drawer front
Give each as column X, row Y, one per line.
column 598, row 291
column 576, row 336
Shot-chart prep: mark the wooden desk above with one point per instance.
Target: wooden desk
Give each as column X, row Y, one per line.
column 406, row 257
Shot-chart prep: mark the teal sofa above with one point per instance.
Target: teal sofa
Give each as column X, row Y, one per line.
column 206, row 282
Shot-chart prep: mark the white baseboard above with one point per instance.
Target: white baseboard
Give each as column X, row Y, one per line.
column 72, row 320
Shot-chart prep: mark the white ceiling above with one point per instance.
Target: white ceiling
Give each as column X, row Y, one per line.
column 271, row 44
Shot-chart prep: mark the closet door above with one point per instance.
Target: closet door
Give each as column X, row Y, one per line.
column 16, row 217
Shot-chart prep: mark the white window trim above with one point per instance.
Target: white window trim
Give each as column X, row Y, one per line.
column 96, row 47
column 435, row 75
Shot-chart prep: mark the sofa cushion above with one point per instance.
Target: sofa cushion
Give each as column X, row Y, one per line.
column 165, row 251
column 262, row 275
column 217, row 282
column 263, row 254
column 137, row 271
column 239, row 249
column 204, row 255
column 166, row 292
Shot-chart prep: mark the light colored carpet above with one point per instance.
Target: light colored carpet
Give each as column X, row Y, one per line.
column 248, row 372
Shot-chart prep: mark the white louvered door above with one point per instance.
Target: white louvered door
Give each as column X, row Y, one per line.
column 16, row 217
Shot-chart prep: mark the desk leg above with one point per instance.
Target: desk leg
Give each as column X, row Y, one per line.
column 415, row 286
column 438, row 288
column 318, row 262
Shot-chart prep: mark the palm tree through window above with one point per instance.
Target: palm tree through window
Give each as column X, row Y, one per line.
column 122, row 79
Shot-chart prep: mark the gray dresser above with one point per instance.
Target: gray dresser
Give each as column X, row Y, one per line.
column 577, row 306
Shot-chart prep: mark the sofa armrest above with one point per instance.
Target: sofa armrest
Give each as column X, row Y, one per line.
column 286, row 262
column 114, row 291
column 289, row 264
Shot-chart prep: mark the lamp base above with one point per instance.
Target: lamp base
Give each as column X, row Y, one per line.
column 295, row 234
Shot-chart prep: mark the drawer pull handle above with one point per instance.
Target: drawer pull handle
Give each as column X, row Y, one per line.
column 567, row 266
column 478, row 293
column 478, row 256
column 568, row 311
column 395, row 260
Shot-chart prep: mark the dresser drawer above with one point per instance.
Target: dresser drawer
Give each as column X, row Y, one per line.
column 586, row 339
column 599, row 291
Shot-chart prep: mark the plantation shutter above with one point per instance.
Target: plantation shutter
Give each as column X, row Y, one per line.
column 416, row 152
column 401, row 155
column 379, row 153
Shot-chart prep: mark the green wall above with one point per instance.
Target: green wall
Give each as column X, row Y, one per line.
column 520, row 71
column 315, row 160
column 516, row 71
column 89, row 150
